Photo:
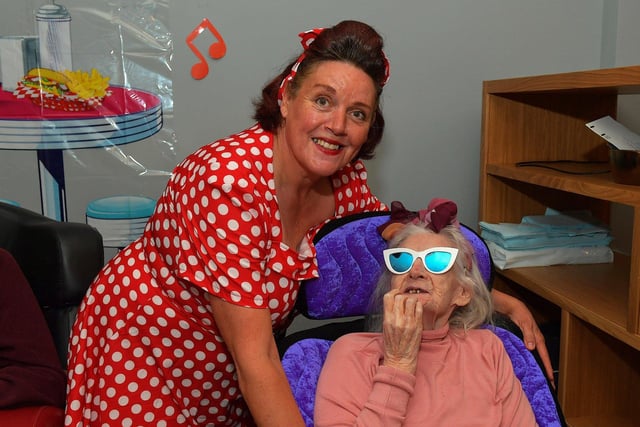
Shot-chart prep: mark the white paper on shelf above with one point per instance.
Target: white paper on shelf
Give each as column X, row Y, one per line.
column 615, row 133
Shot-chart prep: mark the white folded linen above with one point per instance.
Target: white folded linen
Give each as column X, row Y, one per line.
column 506, row 258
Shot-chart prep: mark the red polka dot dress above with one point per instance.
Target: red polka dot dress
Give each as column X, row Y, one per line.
column 144, row 349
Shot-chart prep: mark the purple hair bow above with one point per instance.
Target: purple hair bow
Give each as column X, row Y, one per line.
column 438, row 214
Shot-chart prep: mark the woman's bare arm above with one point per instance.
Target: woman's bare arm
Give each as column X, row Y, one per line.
column 248, row 335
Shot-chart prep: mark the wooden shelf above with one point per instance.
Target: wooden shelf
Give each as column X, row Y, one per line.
column 596, row 293
column 602, row 421
column 595, row 186
column 543, row 119
column 619, row 80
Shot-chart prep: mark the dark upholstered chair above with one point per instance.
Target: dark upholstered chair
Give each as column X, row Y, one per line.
column 59, row 260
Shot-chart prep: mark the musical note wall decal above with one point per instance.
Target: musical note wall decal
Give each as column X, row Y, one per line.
column 216, row 50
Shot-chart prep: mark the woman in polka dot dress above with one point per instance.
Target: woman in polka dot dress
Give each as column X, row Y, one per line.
column 178, row 329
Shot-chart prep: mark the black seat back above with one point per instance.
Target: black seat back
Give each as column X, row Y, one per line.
column 59, row 259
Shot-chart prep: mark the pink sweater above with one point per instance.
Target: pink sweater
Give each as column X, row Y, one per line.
column 463, row 379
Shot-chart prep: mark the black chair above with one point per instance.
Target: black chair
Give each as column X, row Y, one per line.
column 59, row 260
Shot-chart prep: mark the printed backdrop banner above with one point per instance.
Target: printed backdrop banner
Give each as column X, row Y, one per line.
column 95, row 117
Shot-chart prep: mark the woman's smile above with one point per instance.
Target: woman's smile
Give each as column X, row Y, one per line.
column 326, row 144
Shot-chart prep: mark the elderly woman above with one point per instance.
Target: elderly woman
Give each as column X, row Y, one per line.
column 432, row 364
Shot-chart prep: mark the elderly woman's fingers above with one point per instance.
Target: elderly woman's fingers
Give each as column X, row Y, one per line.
column 402, row 330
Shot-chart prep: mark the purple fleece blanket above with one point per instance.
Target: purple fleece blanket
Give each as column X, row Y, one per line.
column 349, row 254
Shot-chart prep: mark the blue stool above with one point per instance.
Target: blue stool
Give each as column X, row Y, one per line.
column 120, row 219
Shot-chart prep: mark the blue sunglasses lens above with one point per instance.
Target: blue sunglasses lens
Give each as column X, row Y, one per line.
column 437, row 261
column 401, row 261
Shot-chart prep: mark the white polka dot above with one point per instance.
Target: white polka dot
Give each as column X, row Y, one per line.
column 235, row 296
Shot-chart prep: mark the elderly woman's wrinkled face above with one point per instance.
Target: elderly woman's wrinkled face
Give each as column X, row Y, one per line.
column 439, row 294
column 327, row 120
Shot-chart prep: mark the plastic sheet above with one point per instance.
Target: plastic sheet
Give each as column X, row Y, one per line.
column 127, row 146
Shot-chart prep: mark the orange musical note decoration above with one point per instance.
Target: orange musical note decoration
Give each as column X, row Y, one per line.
column 217, row 49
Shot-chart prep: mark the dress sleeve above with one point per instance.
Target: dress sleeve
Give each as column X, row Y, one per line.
column 516, row 409
column 217, row 233
column 355, row 390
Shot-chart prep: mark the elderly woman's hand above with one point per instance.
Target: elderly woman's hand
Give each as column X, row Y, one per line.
column 401, row 330
column 518, row 312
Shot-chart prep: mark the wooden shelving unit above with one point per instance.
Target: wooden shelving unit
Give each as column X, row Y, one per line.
column 542, row 118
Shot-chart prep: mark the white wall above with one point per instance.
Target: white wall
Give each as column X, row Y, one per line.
column 626, row 53
column 440, row 53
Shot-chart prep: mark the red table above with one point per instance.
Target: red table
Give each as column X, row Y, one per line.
column 125, row 116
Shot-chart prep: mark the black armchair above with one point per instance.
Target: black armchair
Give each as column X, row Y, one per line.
column 59, row 260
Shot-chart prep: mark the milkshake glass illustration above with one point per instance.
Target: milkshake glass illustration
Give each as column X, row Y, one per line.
column 54, row 22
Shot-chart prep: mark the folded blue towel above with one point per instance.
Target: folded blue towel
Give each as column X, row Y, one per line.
column 548, row 231
column 575, row 221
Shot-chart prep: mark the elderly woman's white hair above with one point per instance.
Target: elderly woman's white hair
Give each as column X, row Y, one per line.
column 480, row 308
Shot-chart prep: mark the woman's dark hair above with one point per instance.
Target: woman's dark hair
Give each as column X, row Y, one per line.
column 349, row 41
